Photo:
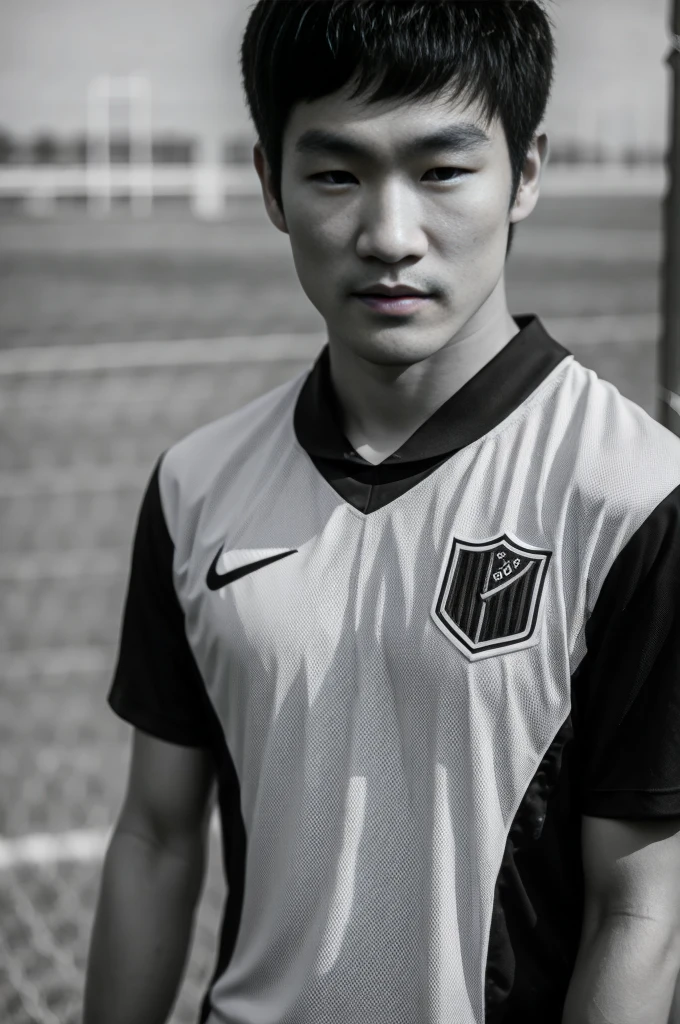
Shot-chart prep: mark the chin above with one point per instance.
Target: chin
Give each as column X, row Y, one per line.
column 398, row 351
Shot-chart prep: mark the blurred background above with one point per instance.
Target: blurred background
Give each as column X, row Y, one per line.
column 143, row 292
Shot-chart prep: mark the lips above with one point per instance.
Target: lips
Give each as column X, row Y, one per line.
column 380, row 291
column 394, row 305
column 393, row 295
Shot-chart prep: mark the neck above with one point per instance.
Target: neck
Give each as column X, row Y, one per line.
column 383, row 405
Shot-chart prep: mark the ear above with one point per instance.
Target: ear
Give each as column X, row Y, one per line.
column 263, row 169
column 530, row 184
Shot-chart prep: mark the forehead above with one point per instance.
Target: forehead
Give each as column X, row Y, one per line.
column 389, row 127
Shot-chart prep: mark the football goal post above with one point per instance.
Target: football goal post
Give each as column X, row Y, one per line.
column 105, row 94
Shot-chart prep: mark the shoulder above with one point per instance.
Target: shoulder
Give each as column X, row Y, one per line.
column 625, row 462
column 190, row 468
column 620, row 474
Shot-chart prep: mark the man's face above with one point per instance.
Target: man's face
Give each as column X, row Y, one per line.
column 435, row 219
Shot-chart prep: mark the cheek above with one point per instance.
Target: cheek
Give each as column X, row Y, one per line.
column 317, row 242
column 473, row 235
column 479, row 216
column 317, row 230
column 319, row 246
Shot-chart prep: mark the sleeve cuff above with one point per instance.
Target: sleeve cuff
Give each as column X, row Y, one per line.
column 162, row 729
column 632, row 803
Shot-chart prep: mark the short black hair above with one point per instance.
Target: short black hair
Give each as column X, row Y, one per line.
column 499, row 53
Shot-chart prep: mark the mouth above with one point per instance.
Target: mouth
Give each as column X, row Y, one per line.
column 393, row 304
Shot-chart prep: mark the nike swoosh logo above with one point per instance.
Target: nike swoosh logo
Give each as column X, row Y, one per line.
column 215, row 581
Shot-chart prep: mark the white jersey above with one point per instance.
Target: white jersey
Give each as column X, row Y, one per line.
column 382, row 686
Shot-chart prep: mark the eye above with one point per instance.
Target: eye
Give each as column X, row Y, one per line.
column 325, row 174
column 458, row 172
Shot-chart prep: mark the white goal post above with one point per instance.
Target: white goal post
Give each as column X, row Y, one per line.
column 134, row 92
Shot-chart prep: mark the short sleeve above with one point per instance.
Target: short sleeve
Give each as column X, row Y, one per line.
column 628, row 685
column 156, row 685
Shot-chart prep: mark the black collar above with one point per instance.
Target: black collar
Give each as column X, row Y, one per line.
column 475, row 409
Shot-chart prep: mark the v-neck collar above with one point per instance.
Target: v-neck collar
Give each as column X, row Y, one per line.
column 481, row 404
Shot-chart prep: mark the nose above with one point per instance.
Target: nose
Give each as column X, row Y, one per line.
column 391, row 226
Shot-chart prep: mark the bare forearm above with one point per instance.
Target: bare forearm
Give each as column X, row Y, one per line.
column 141, row 931
column 625, row 974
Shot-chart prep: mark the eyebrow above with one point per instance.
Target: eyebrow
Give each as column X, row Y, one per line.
column 461, row 138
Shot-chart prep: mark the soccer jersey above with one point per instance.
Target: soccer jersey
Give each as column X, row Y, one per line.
column 414, row 678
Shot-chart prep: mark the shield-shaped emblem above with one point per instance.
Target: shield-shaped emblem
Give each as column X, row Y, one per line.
column 488, row 597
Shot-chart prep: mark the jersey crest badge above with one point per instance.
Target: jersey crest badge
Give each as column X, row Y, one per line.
column 488, row 596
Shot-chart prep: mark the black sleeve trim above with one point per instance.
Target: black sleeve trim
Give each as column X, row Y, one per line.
column 157, row 686
column 627, row 688
column 637, row 805
column 171, row 732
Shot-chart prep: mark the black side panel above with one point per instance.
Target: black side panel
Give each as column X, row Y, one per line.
column 537, row 912
column 233, row 858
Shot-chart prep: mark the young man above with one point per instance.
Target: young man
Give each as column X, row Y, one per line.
column 416, row 610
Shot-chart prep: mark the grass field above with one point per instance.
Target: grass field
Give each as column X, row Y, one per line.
column 78, row 446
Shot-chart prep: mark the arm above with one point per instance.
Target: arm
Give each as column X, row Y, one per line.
column 629, row 957
column 151, row 880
